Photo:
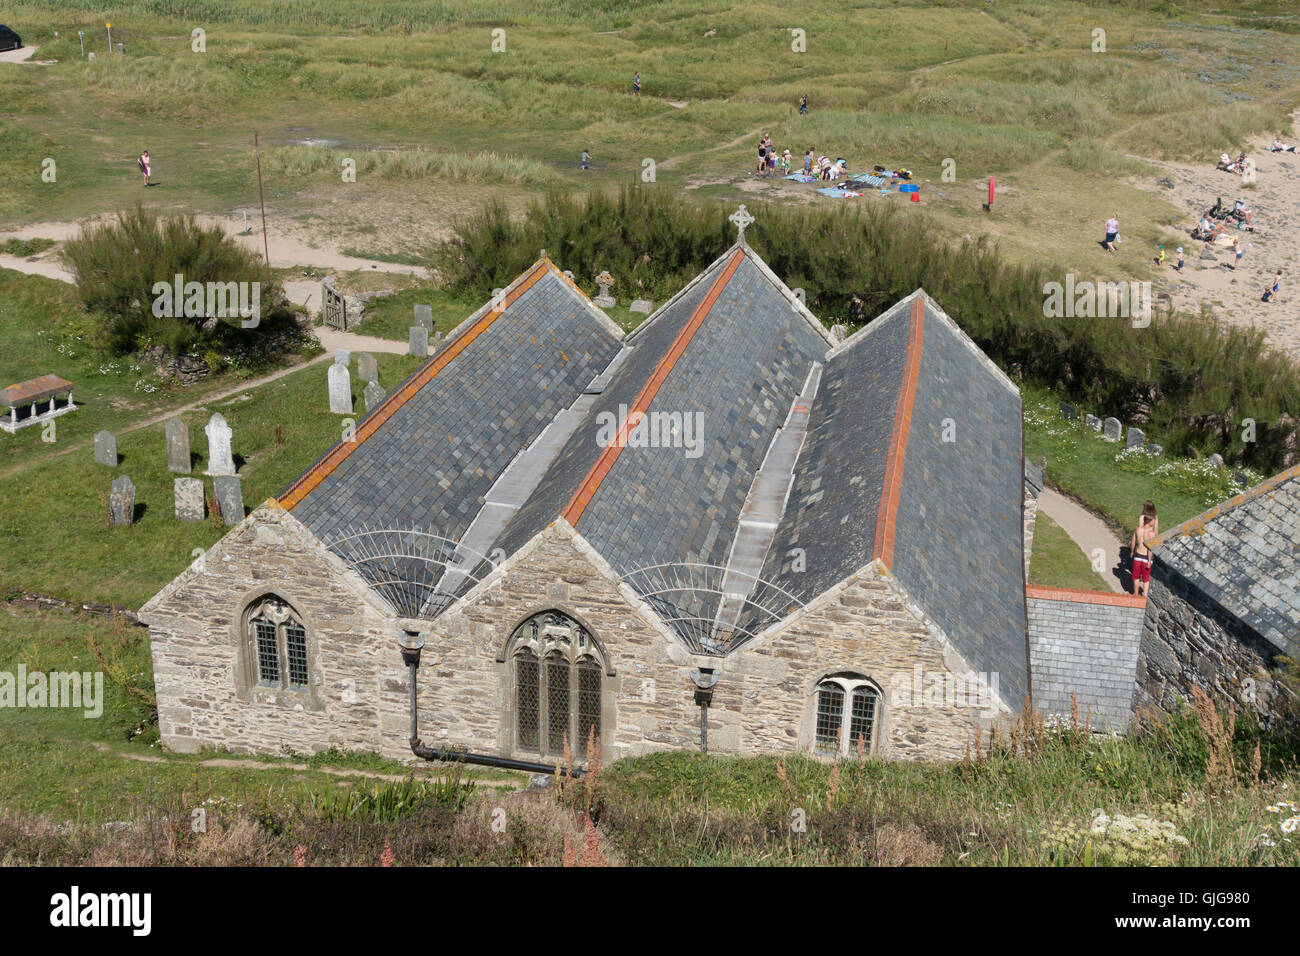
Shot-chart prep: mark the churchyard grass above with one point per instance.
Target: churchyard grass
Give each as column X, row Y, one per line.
column 54, row 538
column 1057, row 562
column 1115, row 483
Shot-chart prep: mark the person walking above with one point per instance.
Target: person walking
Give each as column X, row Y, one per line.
column 636, row 84
column 1148, row 527
column 803, row 105
column 586, row 158
column 146, row 167
column 1179, row 267
column 1112, row 233
column 1238, row 251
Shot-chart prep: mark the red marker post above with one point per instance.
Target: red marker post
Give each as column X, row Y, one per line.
column 989, row 206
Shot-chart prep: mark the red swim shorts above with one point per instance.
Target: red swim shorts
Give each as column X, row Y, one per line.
column 1141, row 569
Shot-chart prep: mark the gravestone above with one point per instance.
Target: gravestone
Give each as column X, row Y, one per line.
column 1151, row 448
column 106, row 448
column 1093, row 422
column 645, row 306
column 340, row 390
column 1216, row 461
column 342, row 357
column 1135, row 437
column 230, row 499
column 121, row 501
column 367, row 368
column 220, row 461
column 424, row 317
column 1241, row 478
column 1112, row 429
column 437, row 341
column 374, row 394
column 178, row 446
column 187, row 494
column 604, row 300
column 839, row 333
column 1068, row 411
column 419, row 341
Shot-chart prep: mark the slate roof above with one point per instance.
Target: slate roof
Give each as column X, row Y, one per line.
column 1244, row 555
column 426, row 457
column 876, row 479
column 870, row 477
column 33, row 390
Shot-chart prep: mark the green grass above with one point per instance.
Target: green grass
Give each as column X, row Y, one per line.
column 25, row 247
column 1116, row 483
column 1057, row 562
column 54, row 537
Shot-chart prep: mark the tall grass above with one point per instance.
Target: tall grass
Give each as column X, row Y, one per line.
column 1193, row 381
column 488, row 167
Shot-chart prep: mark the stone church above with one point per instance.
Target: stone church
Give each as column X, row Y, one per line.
column 586, row 527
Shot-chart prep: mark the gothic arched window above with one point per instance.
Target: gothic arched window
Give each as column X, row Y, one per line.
column 278, row 645
column 558, row 674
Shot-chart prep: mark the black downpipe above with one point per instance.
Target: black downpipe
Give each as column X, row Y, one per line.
column 412, row 658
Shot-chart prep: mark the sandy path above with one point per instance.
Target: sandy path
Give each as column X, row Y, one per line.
column 1085, row 529
column 23, row 54
column 288, row 247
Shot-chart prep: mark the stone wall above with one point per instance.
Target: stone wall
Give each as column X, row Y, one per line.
column 1031, row 518
column 1084, row 644
column 762, row 701
column 195, row 628
column 1189, row 640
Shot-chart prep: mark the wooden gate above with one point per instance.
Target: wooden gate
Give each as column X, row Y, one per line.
column 334, row 309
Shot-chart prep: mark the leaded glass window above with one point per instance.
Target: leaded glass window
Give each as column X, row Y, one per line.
column 278, row 645
column 558, row 675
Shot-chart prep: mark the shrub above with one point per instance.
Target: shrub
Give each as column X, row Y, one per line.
column 116, row 265
column 1191, row 380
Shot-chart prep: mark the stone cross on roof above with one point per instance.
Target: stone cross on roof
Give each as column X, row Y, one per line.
column 741, row 218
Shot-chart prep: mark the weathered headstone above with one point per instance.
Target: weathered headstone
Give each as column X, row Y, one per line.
column 604, row 300
column 374, row 394
column 642, row 305
column 367, row 368
column 340, row 390
column 1068, row 411
column 1093, row 422
column 437, row 341
column 188, row 496
column 342, row 357
column 230, row 499
column 424, row 316
column 839, row 333
column 1151, row 448
column 178, row 446
column 1135, row 437
column 1216, row 461
column 1112, row 429
column 419, row 341
column 106, row 448
column 121, row 501
column 220, row 461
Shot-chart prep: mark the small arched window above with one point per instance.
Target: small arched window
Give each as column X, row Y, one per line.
column 847, row 706
column 558, row 673
column 278, row 642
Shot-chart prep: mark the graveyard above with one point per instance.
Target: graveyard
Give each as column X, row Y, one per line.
column 144, row 489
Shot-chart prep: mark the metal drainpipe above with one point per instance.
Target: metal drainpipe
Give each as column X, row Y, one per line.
column 704, row 678
column 411, row 656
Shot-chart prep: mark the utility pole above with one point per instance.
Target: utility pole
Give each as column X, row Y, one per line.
column 266, row 243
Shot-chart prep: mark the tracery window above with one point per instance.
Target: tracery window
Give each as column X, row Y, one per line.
column 558, row 673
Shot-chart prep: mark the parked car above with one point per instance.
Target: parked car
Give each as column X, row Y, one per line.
column 9, row 40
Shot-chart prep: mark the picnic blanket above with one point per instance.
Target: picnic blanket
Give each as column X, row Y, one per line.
column 865, row 182
column 802, row 177
column 838, row 192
